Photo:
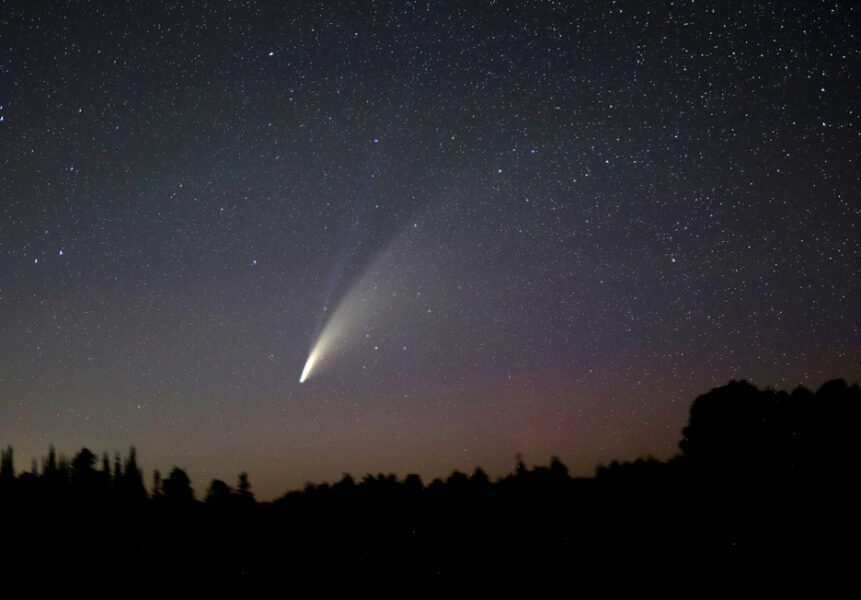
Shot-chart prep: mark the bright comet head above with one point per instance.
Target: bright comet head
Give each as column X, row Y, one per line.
column 308, row 365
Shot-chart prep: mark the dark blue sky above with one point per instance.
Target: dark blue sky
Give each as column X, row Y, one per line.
column 551, row 226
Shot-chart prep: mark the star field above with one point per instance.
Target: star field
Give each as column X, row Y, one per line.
column 560, row 222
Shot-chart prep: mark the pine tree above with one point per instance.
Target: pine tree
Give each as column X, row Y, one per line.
column 7, row 465
column 243, row 490
column 131, row 483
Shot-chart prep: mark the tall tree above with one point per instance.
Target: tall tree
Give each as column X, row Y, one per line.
column 7, row 464
column 83, row 473
column 50, row 466
column 118, row 469
column 177, row 487
column 219, row 494
column 243, row 490
column 131, row 487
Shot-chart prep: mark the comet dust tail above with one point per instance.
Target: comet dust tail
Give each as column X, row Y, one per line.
column 306, row 370
column 317, row 353
column 309, row 364
column 365, row 307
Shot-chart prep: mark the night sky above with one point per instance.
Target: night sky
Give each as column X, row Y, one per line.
column 537, row 227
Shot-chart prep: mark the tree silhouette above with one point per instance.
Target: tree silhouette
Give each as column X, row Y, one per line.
column 558, row 468
column 105, row 472
column 219, row 494
column 7, row 464
column 118, row 471
column 763, row 477
column 156, row 484
column 728, row 429
column 130, row 486
column 243, row 490
column 413, row 483
column 50, row 466
column 177, row 487
column 84, row 476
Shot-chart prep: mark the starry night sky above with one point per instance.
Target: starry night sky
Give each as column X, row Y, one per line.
column 554, row 223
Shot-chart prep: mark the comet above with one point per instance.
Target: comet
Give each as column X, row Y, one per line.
column 309, row 364
column 313, row 358
column 376, row 302
column 359, row 307
column 325, row 340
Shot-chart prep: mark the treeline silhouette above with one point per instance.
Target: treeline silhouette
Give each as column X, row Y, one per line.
column 765, row 483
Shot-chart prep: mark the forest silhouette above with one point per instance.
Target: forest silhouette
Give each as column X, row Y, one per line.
column 764, row 483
